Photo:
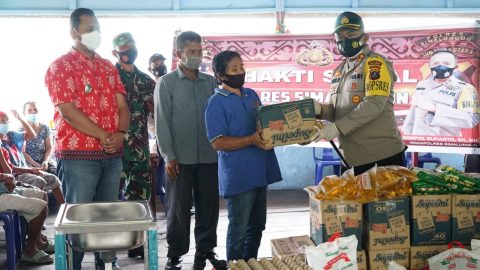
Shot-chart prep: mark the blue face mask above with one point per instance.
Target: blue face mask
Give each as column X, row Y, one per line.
column 4, row 128
column 32, row 118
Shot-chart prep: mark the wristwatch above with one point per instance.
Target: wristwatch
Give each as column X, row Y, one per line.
column 125, row 134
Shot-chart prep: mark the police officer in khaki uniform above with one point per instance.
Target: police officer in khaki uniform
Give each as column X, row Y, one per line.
column 442, row 104
column 360, row 111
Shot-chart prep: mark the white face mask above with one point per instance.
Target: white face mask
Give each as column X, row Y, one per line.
column 92, row 40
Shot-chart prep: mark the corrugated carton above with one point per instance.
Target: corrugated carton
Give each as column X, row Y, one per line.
column 362, row 260
column 287, row 123
column 465, row 218
column 387, row 224
column 330, row 217
column 379, row 259
column 431, row 219
column 419, row 255
column 291, row 246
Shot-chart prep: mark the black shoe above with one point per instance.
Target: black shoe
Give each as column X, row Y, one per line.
column 200, row 261
column 174, row 263
column 136, row 252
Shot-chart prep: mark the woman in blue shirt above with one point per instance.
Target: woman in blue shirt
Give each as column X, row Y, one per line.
column 245, row 165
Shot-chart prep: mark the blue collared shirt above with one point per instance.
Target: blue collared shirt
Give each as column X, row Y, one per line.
column 179, row 120
column 247, row 168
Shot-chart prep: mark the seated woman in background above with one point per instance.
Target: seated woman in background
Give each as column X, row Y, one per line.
column 39, row 150
column 14, row 142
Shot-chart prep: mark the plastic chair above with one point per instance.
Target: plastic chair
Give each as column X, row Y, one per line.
column 326, row 160
column 426, row 158
column 11, row 227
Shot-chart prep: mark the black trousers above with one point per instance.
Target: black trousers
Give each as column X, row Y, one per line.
column 201, row 182
column 397, row 159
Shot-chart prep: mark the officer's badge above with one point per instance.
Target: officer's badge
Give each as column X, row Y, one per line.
column 345, row 20
column 374, row 69
column 360, row 57
column 356, row 99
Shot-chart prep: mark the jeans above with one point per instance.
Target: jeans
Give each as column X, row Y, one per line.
column 247, row 215
column 88, row 181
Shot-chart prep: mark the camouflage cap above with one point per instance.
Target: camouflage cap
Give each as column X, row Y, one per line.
column 122, row 39
column 348, row 20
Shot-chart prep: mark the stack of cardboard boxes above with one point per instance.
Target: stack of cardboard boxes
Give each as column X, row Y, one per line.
column 330, row 217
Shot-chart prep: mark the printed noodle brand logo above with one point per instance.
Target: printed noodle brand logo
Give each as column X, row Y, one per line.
column 389, row 240
column 293, row 135
column 431, row 203
column 276, row 125
column 468, row 204
column 397, row 256
column 425, row 255
column 347, row 209
column 380, row 227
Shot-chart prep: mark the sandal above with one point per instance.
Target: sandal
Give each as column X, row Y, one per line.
column 49, row 248
column 40, row 257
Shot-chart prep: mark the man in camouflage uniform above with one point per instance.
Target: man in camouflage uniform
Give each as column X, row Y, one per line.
column 136, row 163
column 360, row 110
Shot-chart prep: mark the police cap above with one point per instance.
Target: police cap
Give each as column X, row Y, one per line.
column 349, row 20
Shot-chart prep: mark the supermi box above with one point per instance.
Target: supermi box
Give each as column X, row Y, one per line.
column 465, row 218
column 291, row 246
column 287, row 123
column 330, row 217
column 379, row 259
column 431, row 219
column 419, row 255
column 387, row 224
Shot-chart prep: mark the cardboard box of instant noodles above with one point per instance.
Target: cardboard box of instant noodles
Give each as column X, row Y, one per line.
column 287, row 123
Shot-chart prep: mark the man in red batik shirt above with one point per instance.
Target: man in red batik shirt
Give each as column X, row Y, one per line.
column 91, row 119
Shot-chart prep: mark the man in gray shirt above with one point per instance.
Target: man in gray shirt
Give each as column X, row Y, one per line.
column 190, row 161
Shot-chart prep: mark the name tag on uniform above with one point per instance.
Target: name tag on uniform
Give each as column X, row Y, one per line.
column 445, row 96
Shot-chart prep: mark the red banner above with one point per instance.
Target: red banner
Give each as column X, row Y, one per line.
column 285, row 68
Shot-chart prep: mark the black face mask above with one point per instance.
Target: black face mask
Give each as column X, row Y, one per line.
column 128, row 57
column 159, row 71
column 441, row 72
column 235, row 81
column 349, row 47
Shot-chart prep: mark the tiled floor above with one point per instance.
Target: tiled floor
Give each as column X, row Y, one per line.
column 287, row 216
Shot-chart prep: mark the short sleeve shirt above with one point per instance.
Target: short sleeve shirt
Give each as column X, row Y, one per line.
column 35, row 147
column 92, row 85
column 241, row 170
column 14, row 146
